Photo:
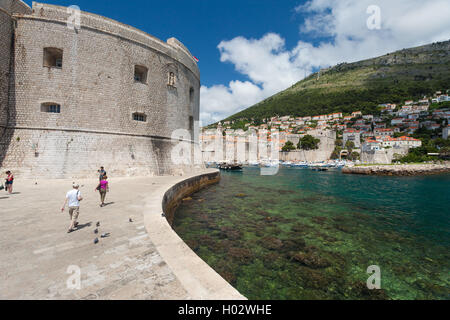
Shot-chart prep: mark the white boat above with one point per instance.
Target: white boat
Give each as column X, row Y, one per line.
column 302, row 164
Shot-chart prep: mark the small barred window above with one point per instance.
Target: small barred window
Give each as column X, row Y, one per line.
column 139, row 117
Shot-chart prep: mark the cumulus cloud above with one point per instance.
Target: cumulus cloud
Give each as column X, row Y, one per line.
column 271, row 67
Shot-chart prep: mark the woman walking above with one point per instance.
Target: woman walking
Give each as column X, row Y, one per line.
column 103, row 188
column 9, row 182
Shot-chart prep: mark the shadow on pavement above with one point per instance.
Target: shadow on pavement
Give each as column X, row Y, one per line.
column 82, row 226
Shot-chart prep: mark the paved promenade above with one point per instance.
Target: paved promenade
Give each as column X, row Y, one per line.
column 36, row 251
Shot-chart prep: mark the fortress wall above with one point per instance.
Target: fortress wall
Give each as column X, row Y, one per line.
column 5, row 50
column 7, row 8
column 98, row 96
column 385, row 156
column 64, row 154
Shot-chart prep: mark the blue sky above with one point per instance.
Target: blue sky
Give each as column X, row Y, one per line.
column 251, row 49
column 201, row 25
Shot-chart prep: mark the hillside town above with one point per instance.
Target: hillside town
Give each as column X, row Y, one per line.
column 369, row 138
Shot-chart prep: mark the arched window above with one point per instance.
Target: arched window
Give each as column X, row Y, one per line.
column 50, row 107
column 53, row 57
column 141, row 117
column 140, row 74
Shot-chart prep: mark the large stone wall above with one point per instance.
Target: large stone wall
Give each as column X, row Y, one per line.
column 98, row 96
column 5, row 49
column 384, row 156
column 326, row 148
column 7, row 8
column 232, row 152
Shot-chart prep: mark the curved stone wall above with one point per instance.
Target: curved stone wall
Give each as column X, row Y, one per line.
column 7, row 8
column 98, row 98
column 197, row 277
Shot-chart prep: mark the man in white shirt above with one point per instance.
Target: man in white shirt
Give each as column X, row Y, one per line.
column 73, row 198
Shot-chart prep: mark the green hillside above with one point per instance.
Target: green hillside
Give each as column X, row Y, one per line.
column 347, row 87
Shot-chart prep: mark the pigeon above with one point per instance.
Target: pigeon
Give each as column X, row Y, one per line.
column 131, row 220
column 163, row 215
column 96, row 241
column 105, row 235
column 96, row 231
column 98, row 224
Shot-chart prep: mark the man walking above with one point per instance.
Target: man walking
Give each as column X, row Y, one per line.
column 73, row 198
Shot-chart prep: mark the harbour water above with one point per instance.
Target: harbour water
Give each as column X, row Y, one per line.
column 312, row 235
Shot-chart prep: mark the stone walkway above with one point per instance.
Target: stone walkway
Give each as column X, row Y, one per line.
column 36, row 251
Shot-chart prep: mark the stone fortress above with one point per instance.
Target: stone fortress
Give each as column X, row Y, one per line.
column 73, row 99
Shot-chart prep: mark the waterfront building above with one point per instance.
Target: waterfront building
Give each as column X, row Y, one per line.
column 400, row 142
column 353, row 136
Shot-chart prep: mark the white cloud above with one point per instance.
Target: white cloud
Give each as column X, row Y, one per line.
column 270, row 67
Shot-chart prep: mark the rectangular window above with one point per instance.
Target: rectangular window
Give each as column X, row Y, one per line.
column 140, row 74
column 53, row 58
column 139, row 117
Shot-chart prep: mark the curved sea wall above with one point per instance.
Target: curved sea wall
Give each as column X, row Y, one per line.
column 104, row 94
column 399, row 170
column 197, row 277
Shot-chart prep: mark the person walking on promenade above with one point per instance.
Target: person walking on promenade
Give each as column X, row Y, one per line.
column 103, row 188
column 73, row 198
column 102, row 173
column 9, row 182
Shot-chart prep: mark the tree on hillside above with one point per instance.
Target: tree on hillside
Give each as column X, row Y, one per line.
column 288, row 146
column 308, row 142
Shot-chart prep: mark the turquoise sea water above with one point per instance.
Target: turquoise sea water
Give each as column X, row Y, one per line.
column 312, row 235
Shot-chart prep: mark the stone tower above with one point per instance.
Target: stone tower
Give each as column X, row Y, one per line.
column 104, row 94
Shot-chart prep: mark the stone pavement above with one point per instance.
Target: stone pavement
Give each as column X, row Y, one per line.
column 36, row 251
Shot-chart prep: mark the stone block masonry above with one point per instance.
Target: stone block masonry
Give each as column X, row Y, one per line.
column 89, row 108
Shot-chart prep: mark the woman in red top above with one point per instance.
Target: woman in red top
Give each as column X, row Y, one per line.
column 9, row 182
column 103, row 188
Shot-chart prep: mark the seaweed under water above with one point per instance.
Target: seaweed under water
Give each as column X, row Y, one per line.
column 312, row 235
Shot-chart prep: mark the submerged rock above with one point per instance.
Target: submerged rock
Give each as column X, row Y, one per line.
column 271, row 243
column 311, row 260
column 319, row 220
column 229, row 233
column 241, row 255
column 360, row 290
column 294, row 244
